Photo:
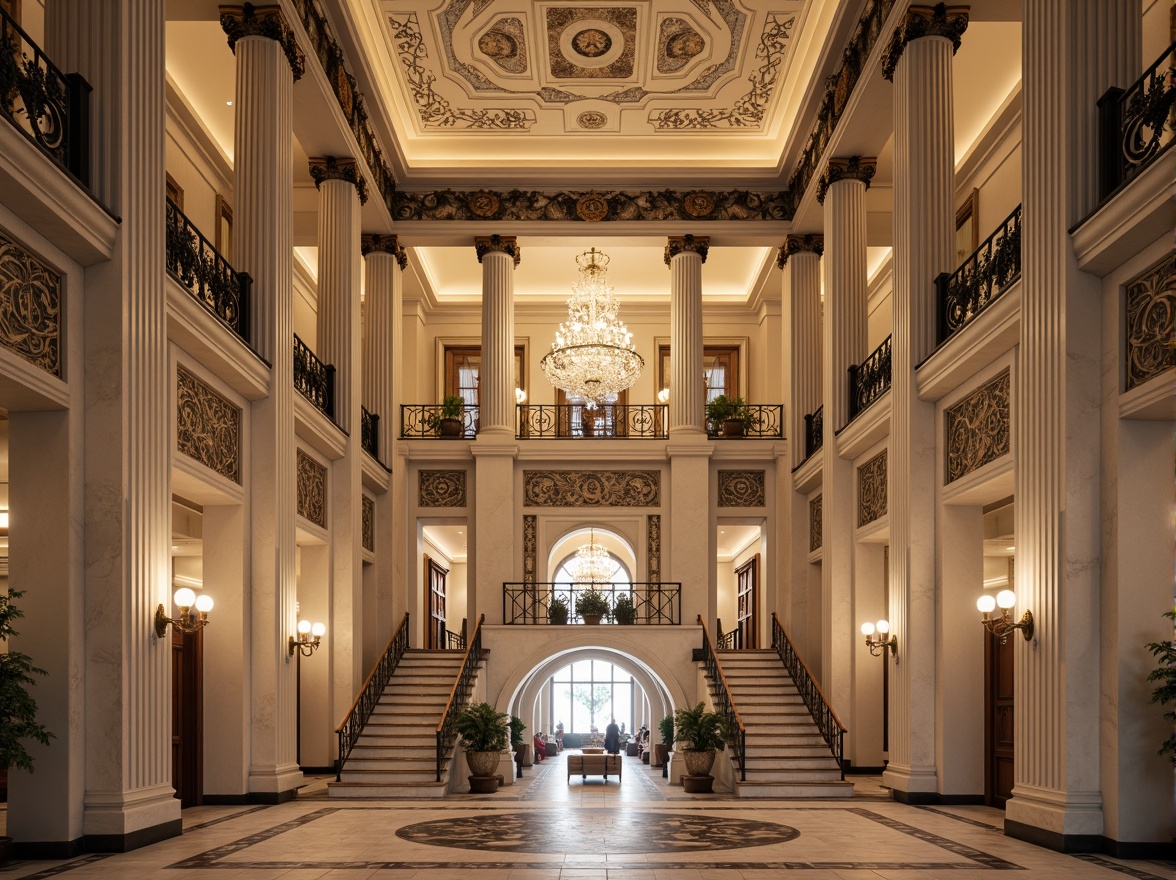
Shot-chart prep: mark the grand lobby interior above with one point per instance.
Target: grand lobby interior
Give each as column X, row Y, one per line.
column 348, row 346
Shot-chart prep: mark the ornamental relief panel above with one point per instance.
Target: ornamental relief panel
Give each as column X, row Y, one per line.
column 312, row 490
column 816, row 526
column 30, row 307
column 591, row 488
column 368, row 524
column 208, row 427
column 441, row 489
column 872, row 490
column 1151, row 304
column 530, row 548
column 653, row 557
column 976, row 430
column 741, row 489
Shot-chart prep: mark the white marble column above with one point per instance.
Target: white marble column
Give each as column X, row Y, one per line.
column 685, row 255
column 842, row 192
column 920, row 64
column 498, row 255
column 268, row 63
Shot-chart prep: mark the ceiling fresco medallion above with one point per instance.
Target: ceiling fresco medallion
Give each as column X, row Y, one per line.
column 505, row 44
column 591, row 42
column 591, row 120
column 592, row 207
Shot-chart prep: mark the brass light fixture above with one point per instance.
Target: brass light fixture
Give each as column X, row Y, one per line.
column 187, row 622
column 310, row 637
column 1003, row 626
column 879, row 646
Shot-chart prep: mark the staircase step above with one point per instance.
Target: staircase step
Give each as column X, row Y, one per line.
column 832, row 789
column 816, row 761
column 414, row 776
column 422, row 790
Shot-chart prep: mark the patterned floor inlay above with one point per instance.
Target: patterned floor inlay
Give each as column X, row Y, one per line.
column 622, row 832
column 62, row 868
column 188, row 829
column 1129, row 870
column 975, row 822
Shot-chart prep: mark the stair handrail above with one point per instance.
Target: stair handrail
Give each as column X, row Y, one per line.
column 724, row 702
column 814, row 698
column 459, row 695
column 369, row 695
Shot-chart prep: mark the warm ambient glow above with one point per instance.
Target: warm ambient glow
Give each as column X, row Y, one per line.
column 520, row 396
column 986, row 604
column 187, row 622
column 593, row 564
column 663, row 396
column 881, row 644
column 184, row 597
column 1003, row 626
column 310, row 637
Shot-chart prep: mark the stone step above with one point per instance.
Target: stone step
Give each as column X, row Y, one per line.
column 831, row 789
column 365, row 761
column 785, row 775
column 772, row 741
column 399, row 751
column 389, row 776
column 432, row 789
column 791, row 761
column 765, row 699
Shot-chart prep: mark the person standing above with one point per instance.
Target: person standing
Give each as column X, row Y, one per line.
column 612, row 738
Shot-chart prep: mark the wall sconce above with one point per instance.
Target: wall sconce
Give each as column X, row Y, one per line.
column 879, row 645
column 309, row 638
column 663, row 395
column 186, row 622
column 520, row 396
column 1003, row 625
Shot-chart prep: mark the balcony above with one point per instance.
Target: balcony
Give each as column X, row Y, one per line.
column 814, row 431
column 870, row 379
column 1135, row 125
column 765, row 422
column 197, row 266
column 313, row 379
column 423, row 421
column 369, row 435
column 655, row 603
column 980, row 279
column 578, row 422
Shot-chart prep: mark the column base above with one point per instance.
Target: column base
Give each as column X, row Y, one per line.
column 1058, row 820
column 911, row 785
column 123, row 821
column 275, row 785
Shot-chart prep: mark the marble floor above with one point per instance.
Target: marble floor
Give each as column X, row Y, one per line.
column 546, row 827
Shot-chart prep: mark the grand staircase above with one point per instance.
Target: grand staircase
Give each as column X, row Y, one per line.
column 396, row 754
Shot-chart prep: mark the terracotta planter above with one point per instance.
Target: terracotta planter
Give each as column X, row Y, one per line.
column 698, row 763
column 449, row 428
column 661, row 753
column 732, row 428
column 698, row 784
column 483, row 784
column 482, row 763
column 592, row 619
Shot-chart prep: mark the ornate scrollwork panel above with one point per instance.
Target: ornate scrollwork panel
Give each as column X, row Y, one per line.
column 368, row 523
column 530, row 548
column 977, row 428
column 653, row 552
column 872, row 489
column 741, row 489
column 1151, row 304
column 591, row 488
column 441, row 489
column 312, row 490
column 816, row 526
column 208, row 427
column 30, row 307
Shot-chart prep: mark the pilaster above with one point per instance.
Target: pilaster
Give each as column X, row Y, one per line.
column 685, row 256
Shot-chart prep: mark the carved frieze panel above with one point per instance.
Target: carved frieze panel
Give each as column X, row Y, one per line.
column 977, row 428
column 30, row 306
column 530, row 548
column 591, row 488
column 312, row 490
column 208, row 427
column 442, row 489
column 368, row 524
column 653, row 557
column 741, row 488
column 816, row 526
column 872, row 489
column 1151, row 304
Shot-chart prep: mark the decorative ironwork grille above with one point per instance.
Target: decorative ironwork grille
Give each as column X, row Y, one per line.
column 767, row 420
column 313, row 379
column 656, row 603
column 208, row 427
column 369, row 435
column 1151, row 302
column 578, row 422
column 832, row 730
column 197, row 267
column 424, row 420
column 977, row 428
column 30, row 307
column 870, row 379
column 1136, row 124
column 872, row 489
column 981, row 278
column 814, row 431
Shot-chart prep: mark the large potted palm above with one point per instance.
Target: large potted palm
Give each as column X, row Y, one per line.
column 703, row 734
column 484, row 733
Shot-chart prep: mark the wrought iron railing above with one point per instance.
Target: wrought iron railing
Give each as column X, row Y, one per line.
column 313, row 379
column 870, row 379
column 456, row 641
column 654, row 602
column 369, row 432
column 724, row 702
column 1136, row 124
column 564, row 421
column 980, row 279
column 814, row 431
column 726, row 641
column 463, row 688
column 50, row 108
column 827, row 721
column 424, row 420
column 766, row 421
column 200, row 269
column 369, row 695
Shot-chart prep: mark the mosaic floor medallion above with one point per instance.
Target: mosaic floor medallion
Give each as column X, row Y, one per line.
column 594, row 831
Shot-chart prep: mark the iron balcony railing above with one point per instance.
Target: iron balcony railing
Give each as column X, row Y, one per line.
column 369, row 436
column 724, row 702
column 565, row 421
column 313, row 379
column 1136, row 124
column 980, row 279
column 424, row 420
column 827, row 721
column 199, row 268
column 50, row 108
column 726, row 641
column 766, row 422
column 870, row 379
column 814, row 431
column 369, row 695
column 654, row 602
column 459, row 697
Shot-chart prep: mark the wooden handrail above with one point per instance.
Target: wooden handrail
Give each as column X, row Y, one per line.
column 723, row 678
column 813, row 678
column 464, row 661
column 375, row 669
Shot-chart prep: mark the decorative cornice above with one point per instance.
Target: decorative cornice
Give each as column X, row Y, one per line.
column 680, row 244
column 506, row 244
column 853, row 168
column 329, row 168
column 813, row 243
column 267, row 21
column 939, row 20
column 374, row 243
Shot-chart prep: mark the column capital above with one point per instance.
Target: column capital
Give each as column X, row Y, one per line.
column 680, row 244
column 939, row 20
column 267, row 21
column 813, row 243
column 375, row 243
column 505, row 244
column 853, row 168
column 329, row 168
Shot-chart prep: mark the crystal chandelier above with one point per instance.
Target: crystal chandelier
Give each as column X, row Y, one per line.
column 592, row 358
column 593, row 563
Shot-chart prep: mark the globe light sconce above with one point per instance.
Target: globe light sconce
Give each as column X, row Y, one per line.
column 310, row 637
column 520, row 396
column 1003, row 626
column 881, row 644
column 187, row 622
column 663, row 395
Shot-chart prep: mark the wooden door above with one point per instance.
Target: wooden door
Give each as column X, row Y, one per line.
column 998, row 680
column 187, row 717
column 435, row 601
column 747, row 575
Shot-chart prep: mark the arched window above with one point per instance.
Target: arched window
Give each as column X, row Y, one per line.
column 589, row 693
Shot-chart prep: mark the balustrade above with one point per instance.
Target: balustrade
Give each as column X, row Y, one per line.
column 870, row 379
column 654, row 603
column 459, row 697
column 207, row 276
column 814, row 431
column 313, row 379
column 724, row 702
column 369, row 695
column 1136, row 124
column 578, row 421
column 764, row 420
column 424, row 420
column 369, row 437
column 832, row 730
column 980, row 279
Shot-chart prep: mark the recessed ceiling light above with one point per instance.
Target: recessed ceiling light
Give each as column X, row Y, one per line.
column 228, row 103
column 1010, row 548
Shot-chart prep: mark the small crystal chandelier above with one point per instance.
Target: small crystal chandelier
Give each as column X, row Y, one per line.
column 594, row 565
column 592, row 358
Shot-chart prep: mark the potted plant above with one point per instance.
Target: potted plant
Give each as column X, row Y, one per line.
column 484, row 733
column 557, row 611
column 729, row 416
column 661, row 750
column 705, row 733
column 18, row 710
column 447, row 421
column 591, row 606
column 517, row 743
column 1165, row 673
column 624, row 611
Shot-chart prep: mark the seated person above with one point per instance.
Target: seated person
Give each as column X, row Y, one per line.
column 540, row 748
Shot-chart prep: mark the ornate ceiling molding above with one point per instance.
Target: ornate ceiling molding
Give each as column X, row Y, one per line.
column 939, row 20
column 266, row 21
column 811, row 243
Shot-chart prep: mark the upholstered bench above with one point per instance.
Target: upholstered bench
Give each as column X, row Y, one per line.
column 594, row 765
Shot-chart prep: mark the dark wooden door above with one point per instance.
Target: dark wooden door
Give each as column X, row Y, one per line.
column 998, row 784
column 435, row 598
column 747, row 575
column 187, row 717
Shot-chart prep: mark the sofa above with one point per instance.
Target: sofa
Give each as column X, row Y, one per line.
column 594, row 765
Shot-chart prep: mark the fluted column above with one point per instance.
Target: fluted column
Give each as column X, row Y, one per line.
column 268, row 63
column 685, row 256
column 383, row 296
column 498, row 255
column 920, row 62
